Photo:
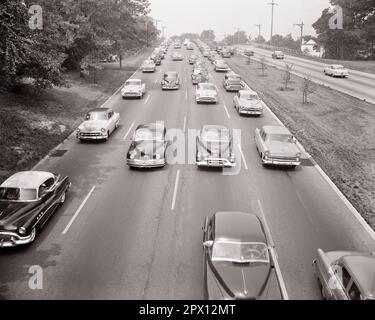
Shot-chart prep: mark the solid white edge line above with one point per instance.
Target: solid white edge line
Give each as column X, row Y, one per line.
column 226, row 110
column 243, row 157
column 127, row 132
column 175, row 190
column 147, row 99
column 78, row 210
column 273, row 253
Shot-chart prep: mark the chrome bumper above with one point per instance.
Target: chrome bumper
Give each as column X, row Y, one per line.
column 10, row 239
column 146, row 163
column 279, row 162
column 92, row 137
column 251, row 112
column 166, row 87
column 131, row 95
column 148, row 70
column 206, row 99
column 216, row 163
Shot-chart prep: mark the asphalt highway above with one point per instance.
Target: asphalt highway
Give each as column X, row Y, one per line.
column 133, row 234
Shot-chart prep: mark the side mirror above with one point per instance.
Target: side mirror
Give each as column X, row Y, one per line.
column 208, row 244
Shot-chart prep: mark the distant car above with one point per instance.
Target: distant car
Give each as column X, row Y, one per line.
column 206, row 92
column 177, row 56
column 233, row 82
column 277, row 146
column 148, row 66
column 221, row 66
column 214, row 147
column 226, row 53
column 345, row 275
column 248, row 102
column 99, row 124
column 156, row 59
column 238, row 264
column 177, row 45
column 336, row 70
column 206, row 53
column 193, row 58
column 148, row 147
column 199, row 76
column 27, row 201
column 133, row 88
column 248, row 52
column 170, row 81
column 278, row 55
column 190, row 46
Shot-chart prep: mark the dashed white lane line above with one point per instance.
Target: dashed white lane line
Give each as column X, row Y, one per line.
column 186, row 94
column 156, row 81
column 78, row 210
column 184, row 128
column 127, row 132
column 147, row 99
column 243, row 157
column 273, row 253
column 226, row 110
column 175, row 190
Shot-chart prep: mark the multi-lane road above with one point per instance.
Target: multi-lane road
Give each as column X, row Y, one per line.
column 359, row 84
column 133, row 234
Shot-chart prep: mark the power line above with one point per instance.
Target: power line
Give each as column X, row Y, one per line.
column 273, row 4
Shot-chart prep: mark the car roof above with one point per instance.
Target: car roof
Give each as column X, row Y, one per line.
column 245, row 227
column 362, row 269
column 104, row 110
column 337, row 65
column 27, row 179
column 209, row 127
column 276, row 130
column 204, row 83
column 171, row 72
column 249, row 91
column 131, row 79
column 158, row 126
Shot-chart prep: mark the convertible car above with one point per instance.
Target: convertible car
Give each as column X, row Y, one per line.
column 133, row 88
column 248, row 102
column 99, row 124
column 277, row 146
column 238, row 263
column 345, row 275
column 214, row 147
column 206, row 92
column 27, row 201
column 170, row 81
column 148, row 147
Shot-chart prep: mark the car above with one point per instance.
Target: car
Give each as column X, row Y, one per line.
column 99, row 124
column 170, row 81
column 148, row 147
column 248, row 102
column 214, row 147
column 238, row 263
column 277, row 55
column 277, row 146
column 177, row 56
column 27, row 200
column 199, row 75
column 156, row 59
column 206, row 53
column 193, row 58
column 345, row 275
column 133, row 88
column 206, row 92
column 233, row 82
column 336, row 70
column 221, row 66
column 190, row 46
column 226, row 53
column 148, row 66
column 177, row 45
column 248, row 52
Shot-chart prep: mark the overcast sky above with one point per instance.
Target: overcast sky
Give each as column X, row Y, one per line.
column 225, row 16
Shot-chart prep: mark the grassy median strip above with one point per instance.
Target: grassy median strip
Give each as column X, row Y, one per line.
column 336, row 129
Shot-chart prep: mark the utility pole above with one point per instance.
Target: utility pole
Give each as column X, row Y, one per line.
column 273, row 4
column 260, row 29
column 301, row 25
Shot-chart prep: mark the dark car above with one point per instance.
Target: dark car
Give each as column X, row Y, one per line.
column 148, row 147
column 27, row 200
column 157, row 60
column 238, row 263
column 248, row 52
column 170, row 81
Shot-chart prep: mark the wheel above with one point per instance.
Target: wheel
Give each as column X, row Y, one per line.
column 62, row 200
column 116, row 125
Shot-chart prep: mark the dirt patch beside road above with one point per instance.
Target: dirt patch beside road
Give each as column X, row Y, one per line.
column 336, row 129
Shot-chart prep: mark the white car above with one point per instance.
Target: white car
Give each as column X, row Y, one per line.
column 248, row 102
column 133, row 88
column 221, row 66
column 336, row 70
column 99, row 124
column 233, row 82
column 177, row 56
column 148, row 66
column 206, row 92
column 278, row 55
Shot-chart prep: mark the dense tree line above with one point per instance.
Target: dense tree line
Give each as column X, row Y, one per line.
column 71, row 31
column 357, row 33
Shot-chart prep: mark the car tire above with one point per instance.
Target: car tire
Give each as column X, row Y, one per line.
column 63, row 197
column 293, row 167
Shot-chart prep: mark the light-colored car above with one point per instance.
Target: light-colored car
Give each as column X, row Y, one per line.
column 233, row 82
column 221, row 66
column 199, row 75
column 206, row 53
column 170, row 81
column 190, row 46
column 133, row 88
column 99, row 124
column 193, row 58
column 177, row 56
column 277, row 146
column 214, row 147
column 248, row 102
column 226, row 53
column 278, row 55
column 177, row 45
column 336, row 70
column 344, row 275
column 206, row 92
column 148, row 66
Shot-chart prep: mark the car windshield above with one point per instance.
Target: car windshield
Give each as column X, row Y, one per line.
column 148, row 135
column 249, row 96
column 240, row 252
column 170, row 76
column 216, row 135
column 132, row 83
column 234, row 78
column 280, row 137
column 338, row 67
column 17, row 194
column 96, row 116
column 206, row 86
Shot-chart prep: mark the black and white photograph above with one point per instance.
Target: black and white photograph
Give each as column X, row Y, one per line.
column 189, row 150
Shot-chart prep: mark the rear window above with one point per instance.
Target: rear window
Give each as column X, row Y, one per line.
column 17, row 194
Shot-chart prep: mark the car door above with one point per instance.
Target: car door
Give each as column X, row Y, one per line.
column 48, row 198
column 352, row 291
column 260, row 135
column 235, row 100
column 341, row 280
column 111, row 121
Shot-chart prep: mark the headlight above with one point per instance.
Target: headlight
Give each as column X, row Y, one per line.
column 157, row 156
column 102, row 130
column 78, row 130
column 132, row 155
column 267, row 154
column 298, row 155
column 22, row 230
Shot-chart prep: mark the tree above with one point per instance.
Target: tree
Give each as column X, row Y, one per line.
column 208, row 35
column 287, row 75
column 260, row 39
column 263, row 65
column 308, row 87
column 240, row 37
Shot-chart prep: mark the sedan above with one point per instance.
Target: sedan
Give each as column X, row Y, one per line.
column 99, row 124
column 226, row 54
column 277, row 146
column 177, row 56
column 336, row 70
column 238, row 261
column 278, row 55
column 27, row 201
column 345, row 275
column 248, row 102
column 148, row 147
column 206, row 92
column 233, row 82
column 170, row 81
column 148, row 66
column 133, row 88
column 214, row 147
column 193, row 58
column 221, row 66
